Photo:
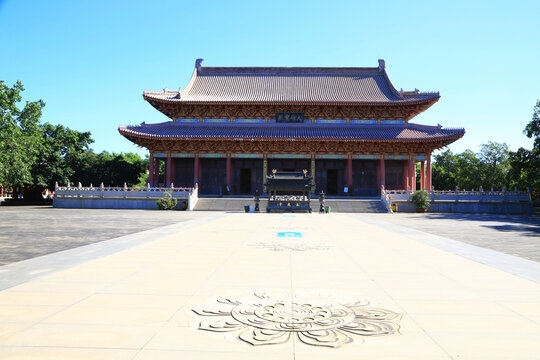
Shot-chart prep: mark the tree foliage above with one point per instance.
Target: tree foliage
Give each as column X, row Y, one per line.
column 525, row 164
column 532, row 130
column 20, row 135
column 469, row 170
column 61, row 152
column 36, row 156
column 494, row 158
column 111, row 169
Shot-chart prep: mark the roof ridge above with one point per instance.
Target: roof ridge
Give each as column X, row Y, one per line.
column 278, row 70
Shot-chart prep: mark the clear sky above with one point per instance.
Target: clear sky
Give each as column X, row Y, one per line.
column 90, row 61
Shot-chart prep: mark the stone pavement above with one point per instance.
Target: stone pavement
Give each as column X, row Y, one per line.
column 517, row 235
column 267, row 286
column 30, row 231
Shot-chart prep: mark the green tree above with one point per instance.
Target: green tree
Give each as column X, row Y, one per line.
column 533, row 127
column 495, row 159
column 61, row 152
column 468, row 167
column 524, row 170
column 111, row 169
column 444, row 172
column 20, row 136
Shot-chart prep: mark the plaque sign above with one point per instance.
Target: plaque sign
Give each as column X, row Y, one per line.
column 289, row 117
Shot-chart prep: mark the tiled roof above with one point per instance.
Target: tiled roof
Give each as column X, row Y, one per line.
column 236, row 131
column 290, row 85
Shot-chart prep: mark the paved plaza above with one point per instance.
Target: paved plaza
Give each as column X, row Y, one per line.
column 27, row 232
column 209, row 285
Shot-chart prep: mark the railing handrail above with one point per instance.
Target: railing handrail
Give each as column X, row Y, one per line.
column 463, row 195
column 122, row 191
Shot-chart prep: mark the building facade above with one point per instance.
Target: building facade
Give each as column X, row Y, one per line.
column 349, row 127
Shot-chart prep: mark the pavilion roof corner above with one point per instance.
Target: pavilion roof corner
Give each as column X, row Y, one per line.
column 382, row 65
column 198, row 64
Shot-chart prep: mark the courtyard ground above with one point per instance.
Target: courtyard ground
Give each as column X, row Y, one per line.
column 289, row 286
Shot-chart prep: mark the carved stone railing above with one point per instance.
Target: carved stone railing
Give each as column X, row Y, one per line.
column 464, row 195
column 125, row 192
column 514, row 202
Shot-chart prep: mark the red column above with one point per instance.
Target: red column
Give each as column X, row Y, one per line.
column 428, row 175
column 406, row 174
column 196, row 170
column 349, row 171
column 411, row 174
column 423, row 175
column 151, row 169
column 414, row 175
column 168, row 170
column 382, row 171
column 228, row 170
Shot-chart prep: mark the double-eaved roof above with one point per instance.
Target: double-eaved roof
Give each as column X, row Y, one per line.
column 271, row 131
column 309, row 85
column 301, row 88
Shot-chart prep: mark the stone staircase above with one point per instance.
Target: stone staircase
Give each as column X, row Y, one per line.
column 227, row 204
column 368, row 205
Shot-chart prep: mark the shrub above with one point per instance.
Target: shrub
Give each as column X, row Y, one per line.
column 421, row 199
column 167, row 202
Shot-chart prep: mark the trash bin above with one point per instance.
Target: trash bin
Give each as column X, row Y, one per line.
column 246, row 208
column 327, row 209
column 393, row 207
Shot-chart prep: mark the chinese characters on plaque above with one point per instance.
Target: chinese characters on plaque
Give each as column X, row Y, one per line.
column 289, row 117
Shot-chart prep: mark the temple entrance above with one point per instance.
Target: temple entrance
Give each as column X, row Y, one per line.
column 330, row 176
column 332, row 182
column 183, row 172
column 213, row 179
column 247, row 176
column 365, row 177
column 394, row 174
column 245, row 181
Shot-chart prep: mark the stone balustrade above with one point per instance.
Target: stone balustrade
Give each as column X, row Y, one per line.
column 141, row 197
column 464, row 195
column 464, row 201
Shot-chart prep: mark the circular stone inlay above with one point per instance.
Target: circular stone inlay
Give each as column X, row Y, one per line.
column 293, row 316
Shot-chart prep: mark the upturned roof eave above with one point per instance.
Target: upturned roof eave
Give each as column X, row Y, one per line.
column 432, row 100
column 127, row 132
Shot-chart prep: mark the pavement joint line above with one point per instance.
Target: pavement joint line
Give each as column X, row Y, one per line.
column 23, row 271
column 511, row 264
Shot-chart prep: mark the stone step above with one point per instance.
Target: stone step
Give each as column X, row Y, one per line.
column 355, row 205
column 336, row 205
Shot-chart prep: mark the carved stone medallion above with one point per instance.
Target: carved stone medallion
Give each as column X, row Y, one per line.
column 318, row 322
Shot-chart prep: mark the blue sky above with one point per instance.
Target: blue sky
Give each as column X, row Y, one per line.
column 91, row 61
